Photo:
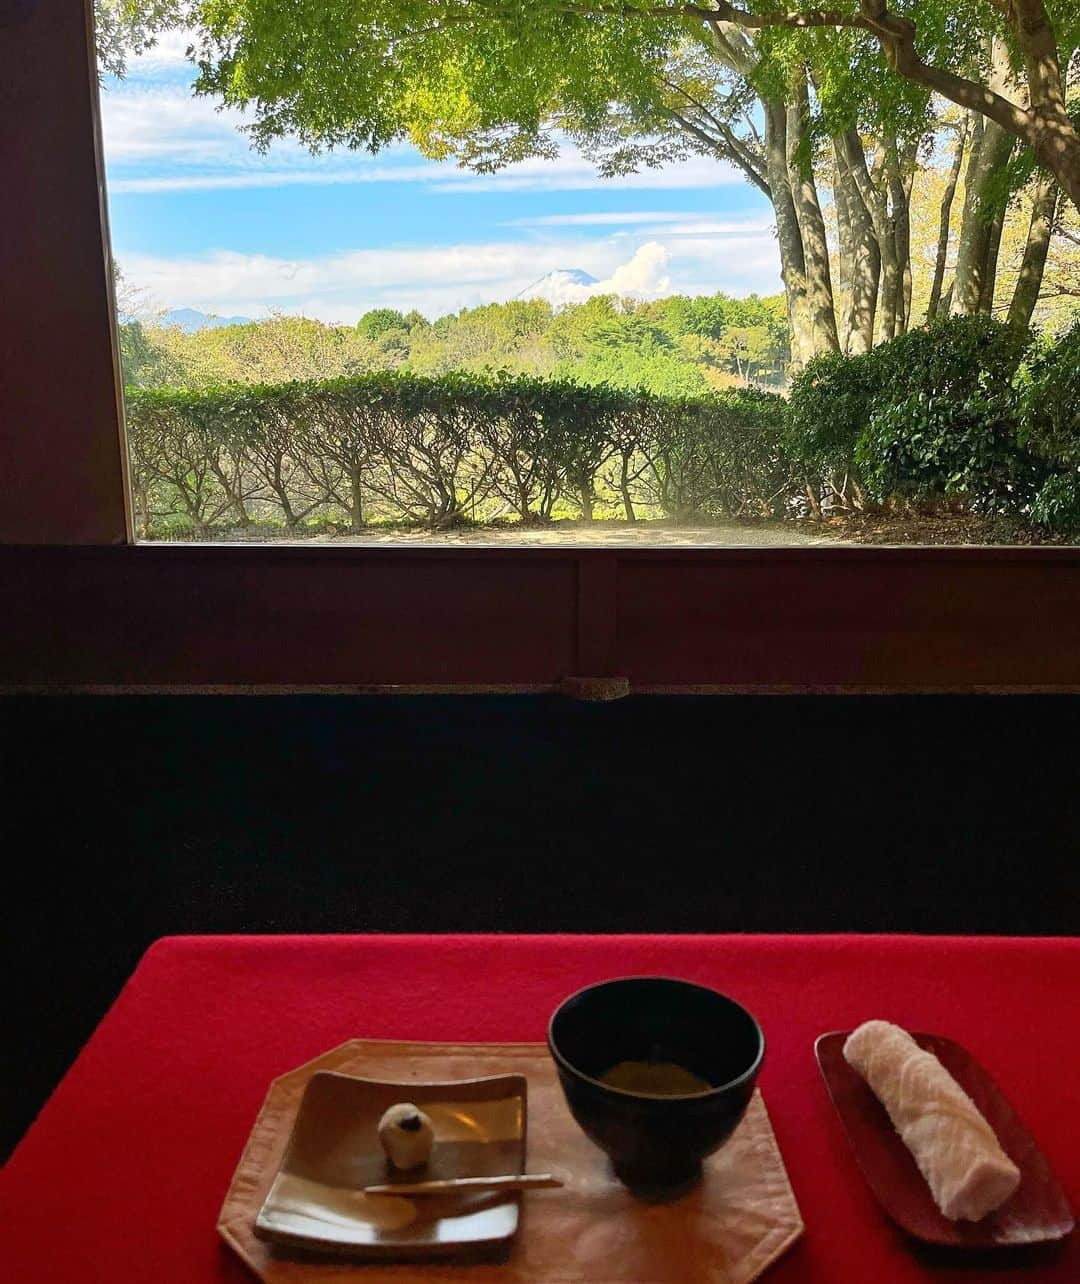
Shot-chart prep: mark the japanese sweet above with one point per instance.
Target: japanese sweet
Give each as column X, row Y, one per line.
column 406, row 1135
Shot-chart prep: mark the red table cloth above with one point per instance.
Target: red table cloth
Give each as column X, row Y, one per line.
column 121, row 1177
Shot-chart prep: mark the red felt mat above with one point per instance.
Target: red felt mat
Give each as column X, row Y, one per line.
column 121, row 1178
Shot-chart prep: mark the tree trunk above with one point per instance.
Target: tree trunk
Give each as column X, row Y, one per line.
column 1044, row 206
column 885, row 231
column 141, row 502
column 890, row 284
column 901, row 229
column 624, row 490
column 866, row 258
column 971, row 186
column 280, row 493
column 736, row 50
column 789, row 237
column 819, row 291
column 234, row 494
column 945, row 219
column 976, row 230
column 993, row 245
column 991, row 151
column 1058, row 149
column 356, row 501
column 901, row 170
column 236, row 503
column 846, row 245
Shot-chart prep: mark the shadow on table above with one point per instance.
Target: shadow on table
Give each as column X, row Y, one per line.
column 986, row 1261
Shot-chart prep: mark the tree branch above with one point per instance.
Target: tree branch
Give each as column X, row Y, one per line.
column 750, row 164
column 738, row 154
column 1045, row 125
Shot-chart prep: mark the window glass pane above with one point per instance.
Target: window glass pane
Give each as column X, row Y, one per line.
column 544, row 274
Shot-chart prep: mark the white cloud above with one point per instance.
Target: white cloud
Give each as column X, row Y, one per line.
column 611, row 219
column 167, row 54
column 441, row 279
column 269, row 178
column 224, row 280
column 644, row 276
column 733, row 255
column 571, row 171
column 160, row 138
column 169, row 126
column 646, row 273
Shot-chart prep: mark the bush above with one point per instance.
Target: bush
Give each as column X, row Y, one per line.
column 932, row 446
column 1057, row 504
column 956, row 358
column 949, row 412
column 1050, row 400
column 440, row 451
column 929, row 414
column 832, row 399
column 1050, row 428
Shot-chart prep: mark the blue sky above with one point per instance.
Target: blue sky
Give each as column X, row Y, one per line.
column 201, row 220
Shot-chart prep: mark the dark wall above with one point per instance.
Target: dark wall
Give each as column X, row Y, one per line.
column 130, row 818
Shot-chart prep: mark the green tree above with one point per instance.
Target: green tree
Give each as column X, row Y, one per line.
column 641, row 83
column 619, row 343
column 280, row 349
column 794, row 98
column 955, row 58
column 705, row 316
column 126, row 27
column 644, row 86
column 144, row 363
column 376, row 323
column 496, row 336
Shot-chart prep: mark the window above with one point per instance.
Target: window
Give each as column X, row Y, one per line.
column 522, row 618
column 391, row 346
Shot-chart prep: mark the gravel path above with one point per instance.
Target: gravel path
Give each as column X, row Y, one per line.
column 597, row 534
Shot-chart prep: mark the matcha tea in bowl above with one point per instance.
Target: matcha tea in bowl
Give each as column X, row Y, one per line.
column 657, row 1072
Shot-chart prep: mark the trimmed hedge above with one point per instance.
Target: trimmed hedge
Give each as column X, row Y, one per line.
column 435, row 452
column 966, row 411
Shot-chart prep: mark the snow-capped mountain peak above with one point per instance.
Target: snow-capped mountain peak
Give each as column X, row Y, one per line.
column 560, row 286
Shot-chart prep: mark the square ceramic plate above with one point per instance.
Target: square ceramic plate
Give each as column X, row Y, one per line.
column 1038, row 1212
column 316, row 1200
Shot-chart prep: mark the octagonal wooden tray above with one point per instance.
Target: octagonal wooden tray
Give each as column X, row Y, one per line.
column 727, row 1230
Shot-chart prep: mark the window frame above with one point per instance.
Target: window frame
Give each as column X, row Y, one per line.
column 94, row 610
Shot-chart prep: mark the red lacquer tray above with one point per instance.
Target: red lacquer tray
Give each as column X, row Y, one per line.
column 1037, row 1213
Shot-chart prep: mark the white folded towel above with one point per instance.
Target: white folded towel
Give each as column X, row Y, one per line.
column 968, row 1173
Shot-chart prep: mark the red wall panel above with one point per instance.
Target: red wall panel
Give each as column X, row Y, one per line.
column 930, row 617
column 802, row 619
column 60, row 457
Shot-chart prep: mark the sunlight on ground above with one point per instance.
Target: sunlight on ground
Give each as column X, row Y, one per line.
column 572, row 535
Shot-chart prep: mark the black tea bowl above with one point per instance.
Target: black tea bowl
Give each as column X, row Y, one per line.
column 656, row 1141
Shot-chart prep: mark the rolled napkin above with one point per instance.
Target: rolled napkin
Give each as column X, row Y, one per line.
column 957, row 1151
